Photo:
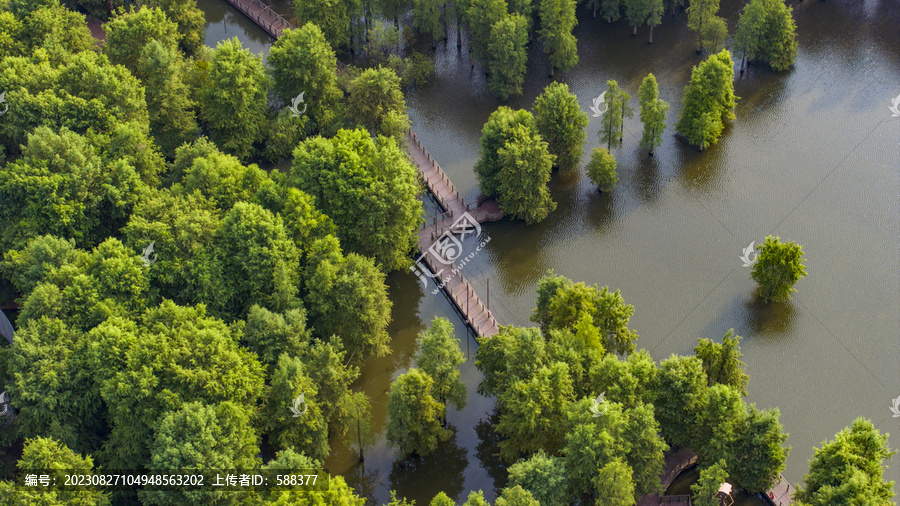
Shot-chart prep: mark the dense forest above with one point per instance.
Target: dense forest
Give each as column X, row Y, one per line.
column 174, row 296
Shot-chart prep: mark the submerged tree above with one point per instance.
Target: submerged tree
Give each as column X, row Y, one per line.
column 653, row 113
column 525, row 165
column 440, row 357
column 561, row 123
column 602, row 169
column 507, row 56
column 612, row 123
column 414, row 415
column 709, row 101
column 766, row 31
column 778, row 267
column 557, row 21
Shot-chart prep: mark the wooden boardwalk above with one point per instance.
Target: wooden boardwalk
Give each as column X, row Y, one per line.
column 437, row 238
column 262, row 15
column 782, row 493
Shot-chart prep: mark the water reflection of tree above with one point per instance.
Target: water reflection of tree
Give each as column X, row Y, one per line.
column 421, row 478
column 364, row 482
column 488, row 450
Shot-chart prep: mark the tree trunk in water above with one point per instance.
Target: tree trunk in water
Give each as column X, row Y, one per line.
column 595, row 12
column 651, row 34
column 458, row 32
column 743, row 58
column 634, row 31
column 551, row 70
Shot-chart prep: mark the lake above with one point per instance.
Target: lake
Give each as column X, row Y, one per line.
column 813, row 157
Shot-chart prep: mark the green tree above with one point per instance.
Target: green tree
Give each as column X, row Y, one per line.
column 476, row 499
column 628, row 382
column 292, row 388
column 611, row 10
column 722, row 361
column 54, row 398
column 614, row 484
column 182, row 229
column 302, row 61
column 636, row 13
column 579, row 349
column 28, row 267
column 63, row 187
column 709, row 101
column 482, row 16
column 682, row 386
column 532, row 412
column 655, row 11
column 393, row 9
column 376, row 103
column 326, row 363
column 368, row 187
column 85, row 91
column 700, row 13
column 357, row 423
column 721, row 417
column 562, row 303
column 190, row 20
column 128, row 33
column 711, row 478
column 653, row 113
column 338, row 492
column 199, row 436
column 428, row 18
column 331, row 16
column 714, row 33
column 766, row 31
column 557, row 22
column 259, row 260
column 337, row 286
column 516, row 496
column 494, row 135
column 602, row 169
column 442, row 499
column 233, row 98
column 512, row 354
column 270, row 334
column 53, row 27
column 612, row 124
column 525, row 166
column 507, row 56
column 543, row 476
column 187, row 356
column 223, row 179
column 172, row 119
column 47, row 453
column 778, row 267
column 760, row 454
column 849, row 469
column 644, row 449
column 439, row 357
column 414, row 425
column 561, row 123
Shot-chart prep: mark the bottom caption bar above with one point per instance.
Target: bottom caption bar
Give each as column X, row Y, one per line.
column 185, row 479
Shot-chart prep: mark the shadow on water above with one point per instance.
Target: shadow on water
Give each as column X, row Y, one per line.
column 750, row 316
column 424, row 477
column 488, row 451
column 364, row 482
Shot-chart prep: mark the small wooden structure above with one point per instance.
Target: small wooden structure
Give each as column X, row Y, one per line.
column 263, row 15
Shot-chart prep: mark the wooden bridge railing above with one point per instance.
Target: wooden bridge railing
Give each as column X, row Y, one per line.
column 252, row 9
column 453, row 190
